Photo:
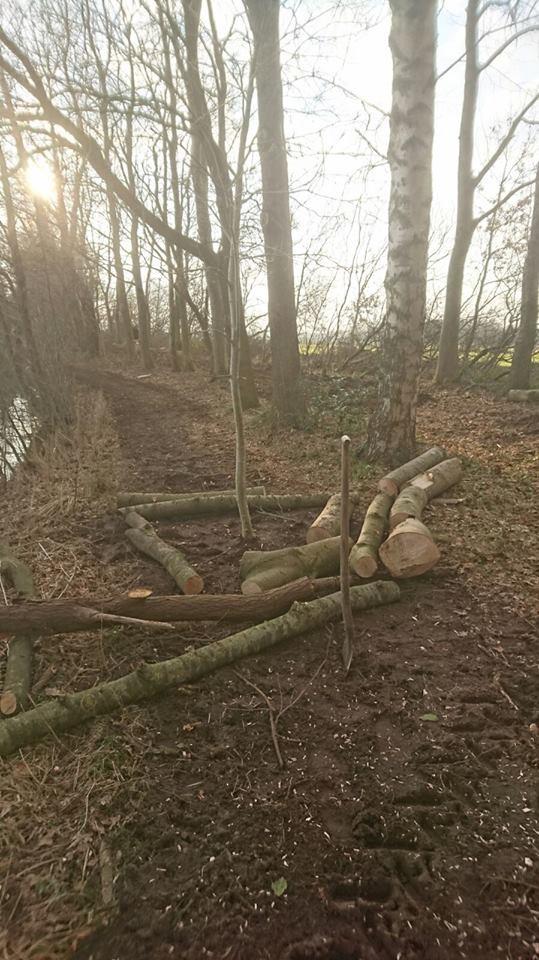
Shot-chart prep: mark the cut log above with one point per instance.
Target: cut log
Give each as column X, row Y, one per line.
column 364, row 555
column 413, row 499
column 48, row 617
column 64, row 713
column 213, row 506
column 394, row 481
column 18, row 674
column 523, row 396
column 265, row 569
column 143, row 536
column 409, row 550
column 328, row 522
column 134, row 499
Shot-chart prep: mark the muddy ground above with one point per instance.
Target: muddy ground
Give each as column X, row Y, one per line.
column 405, row 821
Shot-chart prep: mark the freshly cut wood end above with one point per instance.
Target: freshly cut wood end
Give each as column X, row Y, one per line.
column 409, row 550
column 364, row 566
column 8, row 704
column 193, row 585
column 250, row 589
column 385, row 485
column 314, row 534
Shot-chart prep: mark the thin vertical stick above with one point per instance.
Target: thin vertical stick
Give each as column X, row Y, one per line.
column 348, row 642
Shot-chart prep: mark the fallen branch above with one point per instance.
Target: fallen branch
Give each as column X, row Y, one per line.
column 394, row 481
column 135, row 499
column 18, row 675
column 48, row 617
column 364, row 555
column 523, row 396
column 212, row 506
column 409, row 550
column 143, row 536
column 413, row 499
column 328, row 522
column 64, row 713
column 265, row 569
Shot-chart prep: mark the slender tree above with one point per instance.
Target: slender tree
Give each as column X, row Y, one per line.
column 288, row 397
column 413, row 47
column 527, row 331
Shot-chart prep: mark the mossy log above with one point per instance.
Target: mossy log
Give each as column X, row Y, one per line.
column 523, row 396
column 48, row 617
column 134, row 499
column 413, row 499
column 143, row 536
column 213, row 506
column 364, row 554
column 328, row 522
column 265, row 569
column 64, row 713
column 394, row 481
column 409, row 550
column 18, row 674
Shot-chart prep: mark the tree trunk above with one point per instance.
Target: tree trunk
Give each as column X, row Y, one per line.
column 88, row 613
column 394, row 481
column 413, row 499
column 288, row 397
column 213, row 506
column 364, row 555
column 448, row 355
column 65, row 713
column 262, row 570
column 144, row 538
column 18, row 675
column 413, row 46
column 527, row 331
column 144, row 323
column 409, row 550
column 135, row 499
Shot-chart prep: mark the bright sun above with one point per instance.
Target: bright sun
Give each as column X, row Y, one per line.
column 40, row 180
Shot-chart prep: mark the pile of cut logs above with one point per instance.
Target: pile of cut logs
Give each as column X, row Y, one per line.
column 285, row 592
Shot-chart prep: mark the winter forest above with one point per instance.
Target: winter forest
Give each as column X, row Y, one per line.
column 269, row 383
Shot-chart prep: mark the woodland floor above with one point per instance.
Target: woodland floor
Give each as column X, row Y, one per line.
column 398, row 836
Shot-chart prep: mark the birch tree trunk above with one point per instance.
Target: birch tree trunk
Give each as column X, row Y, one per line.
column 527, row 331
column 413, row 45
column 448, row 355
column 287, row 390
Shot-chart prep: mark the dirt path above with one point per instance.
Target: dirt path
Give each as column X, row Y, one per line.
column 405, row 822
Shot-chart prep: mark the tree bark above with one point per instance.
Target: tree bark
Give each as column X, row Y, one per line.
column 18, row 675
column 413, row 46
column 48, row 617
column 135, row 499
column 144, row 538
column 448, row 355
column 262, row 570
column 409, row 550
column 65, row 713
column 213, row 506
column 288, row 400
column 394, row 481
column 414, row 498
column 364, row 555
column 527, row 332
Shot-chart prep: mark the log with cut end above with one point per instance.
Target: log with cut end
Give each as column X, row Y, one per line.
column 409, row 550
column 328, row 522
column 134, row 499
column 364, row 554
column 213, row 506
column 48, row 617
column 394, row 481
column 18, row 673
column 523, row 396
column 265, row 569
column 143, row 536
column 151, row 679
column 413, row 499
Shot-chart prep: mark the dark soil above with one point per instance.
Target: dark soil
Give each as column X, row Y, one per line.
column 405, row 822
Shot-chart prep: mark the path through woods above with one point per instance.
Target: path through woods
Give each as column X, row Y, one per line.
column 405, row 820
